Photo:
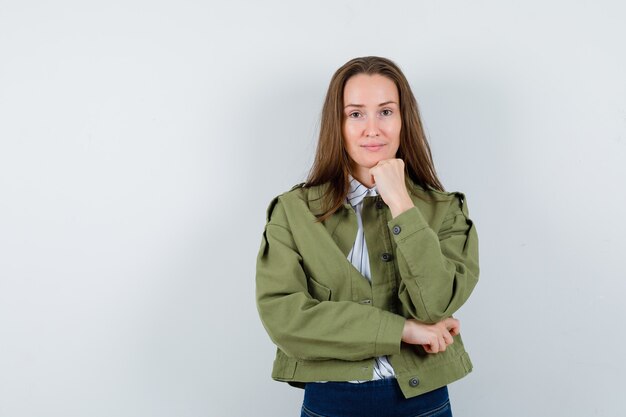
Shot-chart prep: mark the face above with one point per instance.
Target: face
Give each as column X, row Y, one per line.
column 371, row 122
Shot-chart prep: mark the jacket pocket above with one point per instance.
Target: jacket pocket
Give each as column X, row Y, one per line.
column 318, row 291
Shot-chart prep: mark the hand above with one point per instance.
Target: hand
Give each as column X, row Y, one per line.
column 388, row 175
column 433, row 337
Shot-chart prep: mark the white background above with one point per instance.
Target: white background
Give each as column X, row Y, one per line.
column 141, row 141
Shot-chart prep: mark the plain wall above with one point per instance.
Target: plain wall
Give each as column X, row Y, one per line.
column 141, row 141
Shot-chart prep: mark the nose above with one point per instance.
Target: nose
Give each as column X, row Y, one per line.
column 371, row 129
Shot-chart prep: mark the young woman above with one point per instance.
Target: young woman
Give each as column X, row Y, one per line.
column 362, row 267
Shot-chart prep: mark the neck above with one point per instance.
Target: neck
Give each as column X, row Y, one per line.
column 363, row 176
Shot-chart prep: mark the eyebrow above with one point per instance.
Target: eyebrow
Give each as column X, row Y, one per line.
column 363, row 105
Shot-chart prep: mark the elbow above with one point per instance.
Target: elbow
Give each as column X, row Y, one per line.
column 292, row 347
column 430, row 316
column 434, row 318
column 431, row 307
column 281, row 332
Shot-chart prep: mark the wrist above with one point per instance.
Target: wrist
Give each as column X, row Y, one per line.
column 406, row 330
column 400, row 207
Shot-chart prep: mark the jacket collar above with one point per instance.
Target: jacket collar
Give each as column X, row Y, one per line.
column 358, row 192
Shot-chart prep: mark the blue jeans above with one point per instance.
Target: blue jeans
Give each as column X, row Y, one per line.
column 373, row 398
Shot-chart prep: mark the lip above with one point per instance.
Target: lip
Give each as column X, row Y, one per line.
column 373, row 146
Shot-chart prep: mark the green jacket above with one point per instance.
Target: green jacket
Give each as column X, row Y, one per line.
column 329, row 322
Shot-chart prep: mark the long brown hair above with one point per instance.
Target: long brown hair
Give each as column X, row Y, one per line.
column 332, row 162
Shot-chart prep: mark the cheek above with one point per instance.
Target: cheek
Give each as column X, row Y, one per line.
column 349, row 132
column 345, row 133
column 393, row 135
column 394, row 131
column 351, row 139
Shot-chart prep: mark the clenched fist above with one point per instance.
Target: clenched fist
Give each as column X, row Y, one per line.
column 388, row 175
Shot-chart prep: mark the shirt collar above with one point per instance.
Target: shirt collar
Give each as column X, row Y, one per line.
column 358, row 191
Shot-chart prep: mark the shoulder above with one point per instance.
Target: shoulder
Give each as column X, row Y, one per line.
column 296, row 198
column 450, row 201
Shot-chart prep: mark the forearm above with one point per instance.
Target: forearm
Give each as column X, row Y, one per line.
column 308, row 329
column 438, row 272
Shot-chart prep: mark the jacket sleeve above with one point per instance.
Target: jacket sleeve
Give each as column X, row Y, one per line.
column 307, row 328
column 439, row 270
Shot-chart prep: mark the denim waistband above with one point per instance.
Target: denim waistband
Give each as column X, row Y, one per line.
column 381, row 397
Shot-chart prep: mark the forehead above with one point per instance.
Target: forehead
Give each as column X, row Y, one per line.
column 369, row 89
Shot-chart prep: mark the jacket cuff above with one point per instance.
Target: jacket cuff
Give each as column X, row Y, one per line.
column 405, row 224
column 389, row 336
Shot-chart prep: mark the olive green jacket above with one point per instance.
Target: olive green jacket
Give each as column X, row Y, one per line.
column 329, row 322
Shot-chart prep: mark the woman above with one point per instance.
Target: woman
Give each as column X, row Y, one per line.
column 361, row 268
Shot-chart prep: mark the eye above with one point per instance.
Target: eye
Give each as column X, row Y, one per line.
column 354, row 115
column 386, row 112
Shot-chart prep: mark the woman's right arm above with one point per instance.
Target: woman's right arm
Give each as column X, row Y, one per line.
column 306, row 328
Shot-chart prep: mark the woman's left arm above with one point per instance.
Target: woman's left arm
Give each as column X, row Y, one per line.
column 439, row 270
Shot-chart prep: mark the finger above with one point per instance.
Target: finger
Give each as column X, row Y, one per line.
column 451, row 322
column 434, row 346
column 442, row 344
column 447, row 337
column 453, row 325
column 454, row 330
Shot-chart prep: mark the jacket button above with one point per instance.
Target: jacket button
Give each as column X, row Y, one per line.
column 379, row 204
column 386, row 257
column 414, row 382
column 396, row 230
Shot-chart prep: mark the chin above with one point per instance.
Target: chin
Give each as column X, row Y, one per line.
column 373, row 161
column 370, row 162
column 366, row 164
